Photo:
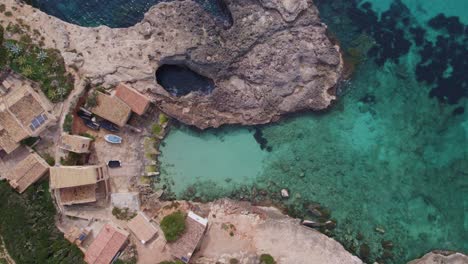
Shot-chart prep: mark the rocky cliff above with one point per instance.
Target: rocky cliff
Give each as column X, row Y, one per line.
column 274, row 59
column 441, row 257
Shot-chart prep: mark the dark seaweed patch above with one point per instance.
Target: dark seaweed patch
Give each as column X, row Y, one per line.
column 444, row 63
column 261, row 140
column 458, row 111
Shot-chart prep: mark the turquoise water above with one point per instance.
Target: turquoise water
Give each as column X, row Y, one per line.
column 389, row 160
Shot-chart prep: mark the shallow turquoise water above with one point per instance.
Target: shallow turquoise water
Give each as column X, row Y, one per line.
column 194, row 158
column 391, row 154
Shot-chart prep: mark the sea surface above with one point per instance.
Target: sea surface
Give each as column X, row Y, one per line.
column 388, row 162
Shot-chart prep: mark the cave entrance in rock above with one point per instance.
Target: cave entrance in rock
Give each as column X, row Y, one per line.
column 180, row 80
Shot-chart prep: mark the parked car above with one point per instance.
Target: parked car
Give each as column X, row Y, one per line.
column 91, row 124
column 109, row 126
column 114, row 164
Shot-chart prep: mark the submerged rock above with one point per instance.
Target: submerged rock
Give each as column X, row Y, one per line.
column 275, row 59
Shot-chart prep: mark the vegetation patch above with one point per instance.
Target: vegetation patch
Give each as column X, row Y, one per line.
column 73, row 159
column 30, row 141
column 88, row 136
column 123, row 214
column 68, row 123
column 172, row 262
column 173, row 226
column 45, row 66
column 156, row 129
column 49, row 159
column 28, row 228
column 267, row 259
column 163, row 119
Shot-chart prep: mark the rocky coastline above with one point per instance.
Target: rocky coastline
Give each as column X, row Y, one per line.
column 254, row 82
column 275, row 59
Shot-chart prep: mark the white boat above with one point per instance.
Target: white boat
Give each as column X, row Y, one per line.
column 113, row 139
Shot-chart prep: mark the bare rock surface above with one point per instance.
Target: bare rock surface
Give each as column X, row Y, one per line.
column 275, row 58
column 238, row 230
column 441, row 257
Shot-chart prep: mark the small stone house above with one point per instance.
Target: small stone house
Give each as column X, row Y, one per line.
column 78, row 184
column 185, row 246
column 27, row 172
column 24, row 110
column 138, row 102
column 112, row 109
column 107, row 246
column 142, row 228
column 75, row 143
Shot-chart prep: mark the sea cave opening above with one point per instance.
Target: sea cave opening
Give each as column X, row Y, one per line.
column 180, row 80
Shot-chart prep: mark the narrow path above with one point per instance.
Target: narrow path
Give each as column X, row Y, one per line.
column 79, row 87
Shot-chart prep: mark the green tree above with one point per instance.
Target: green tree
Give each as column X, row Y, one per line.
column 173, row 226
column 27, row 225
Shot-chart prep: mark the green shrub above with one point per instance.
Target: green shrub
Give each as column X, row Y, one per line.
column 234, row 261
column 45, row 66
column 163, row 119
column 172, row 262
column 123, row 214
column 91, row 101
column 8, row 14
column 27, row 224
column 3, row 51
column 2, row 8
column 173, row 226
column 72, row 159
column 156, row 129
column 49, row 159
column 88, row 136
column 29, row 141
column 267, row 259
column 67, row 123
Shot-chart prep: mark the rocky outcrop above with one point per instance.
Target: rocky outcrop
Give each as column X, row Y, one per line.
column 275, row 58
column 442, row 257
column 241, row 231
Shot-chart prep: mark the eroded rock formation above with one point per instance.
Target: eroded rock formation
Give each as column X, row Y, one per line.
column 275, row 58
column 441, row 257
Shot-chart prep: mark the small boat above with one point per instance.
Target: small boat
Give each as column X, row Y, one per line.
column 113, row 139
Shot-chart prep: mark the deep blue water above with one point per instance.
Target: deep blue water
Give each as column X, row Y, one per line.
column 112, row 13
column 179, row 80
column 392, row 154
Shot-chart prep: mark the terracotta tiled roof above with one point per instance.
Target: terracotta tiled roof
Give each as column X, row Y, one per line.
column 112, row 109
column 106, row 245
column 142, row 228
column 27, row 172
column 185, row 246
column 138, row 102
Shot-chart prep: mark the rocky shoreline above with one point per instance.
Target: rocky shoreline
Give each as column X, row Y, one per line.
column 275, row 59
column 108, row 56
